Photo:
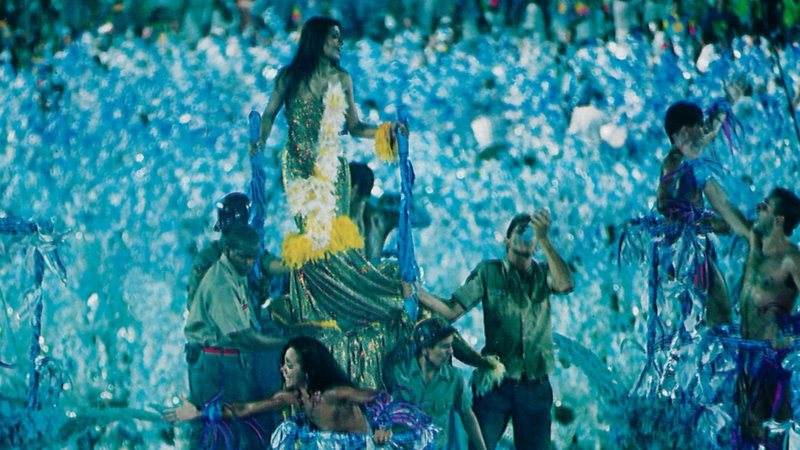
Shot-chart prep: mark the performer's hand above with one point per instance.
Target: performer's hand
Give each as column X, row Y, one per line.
column 382, row 437
column 255, row 148
column 184, row 412
column 397, row 126
column 718, row 224
column 402, row 126
column 406, row 289
column 541, row 223
column 735, row 89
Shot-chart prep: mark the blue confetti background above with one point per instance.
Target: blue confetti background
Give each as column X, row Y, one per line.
column 127, row 146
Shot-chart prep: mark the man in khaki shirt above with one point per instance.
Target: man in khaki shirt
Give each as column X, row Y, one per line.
column 515, row 294
column 220, row 323
column 428, row 379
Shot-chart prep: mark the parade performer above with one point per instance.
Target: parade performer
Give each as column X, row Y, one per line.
column 686, row 376
column 356, row 309
column 333, row 413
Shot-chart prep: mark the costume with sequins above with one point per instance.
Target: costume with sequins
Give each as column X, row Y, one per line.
column 341, row 298
column 687, row 382
column 411, row 429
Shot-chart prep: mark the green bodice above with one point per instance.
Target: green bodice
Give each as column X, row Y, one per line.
column 304, row 116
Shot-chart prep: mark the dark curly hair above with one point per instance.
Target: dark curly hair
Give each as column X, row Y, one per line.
column 322, row 371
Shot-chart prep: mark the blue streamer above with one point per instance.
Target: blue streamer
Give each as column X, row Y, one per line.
column 258, row 202
column 214, row 427
column 36, row 350
column 257, row 193
column 405, row 240
column 45, row 254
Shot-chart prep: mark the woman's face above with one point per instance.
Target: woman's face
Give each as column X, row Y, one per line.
column 292, row 371
column 333, row 44
column 689, row 141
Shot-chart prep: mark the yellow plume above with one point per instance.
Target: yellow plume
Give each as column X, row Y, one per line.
column 384, row 147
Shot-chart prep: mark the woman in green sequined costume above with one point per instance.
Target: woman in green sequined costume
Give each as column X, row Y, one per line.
column 337, row 295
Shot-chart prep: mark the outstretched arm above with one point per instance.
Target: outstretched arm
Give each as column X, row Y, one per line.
column 719, row 201
column 449, row 310
column 276, row 100
column 468, row 355
column 253, row 340
column 350, row 394
column 354, row 124
column 187, row 411
column 280, row 400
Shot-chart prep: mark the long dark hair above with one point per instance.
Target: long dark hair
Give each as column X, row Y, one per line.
column 308, row 54
column 322, row 371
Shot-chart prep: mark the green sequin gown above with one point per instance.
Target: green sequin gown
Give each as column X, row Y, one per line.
column 366, row 303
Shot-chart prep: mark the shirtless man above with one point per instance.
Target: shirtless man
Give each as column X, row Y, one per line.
column 769, row 293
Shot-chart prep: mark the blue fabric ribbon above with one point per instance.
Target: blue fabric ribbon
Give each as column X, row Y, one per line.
column 257, row 193
column 45, row 254
column 258, row 202
column 405, row 240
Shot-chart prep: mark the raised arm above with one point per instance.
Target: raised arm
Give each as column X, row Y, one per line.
column 560, row 276
column 732, row 216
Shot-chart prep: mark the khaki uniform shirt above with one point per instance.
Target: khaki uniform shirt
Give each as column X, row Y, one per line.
column 443, row 394
column 220, row 307
column 516, row 315
column 208, row 256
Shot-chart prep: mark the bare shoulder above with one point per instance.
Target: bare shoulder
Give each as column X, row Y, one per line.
column 348, row 394
column 344, row 78
column 339, row 393
column 671, row 161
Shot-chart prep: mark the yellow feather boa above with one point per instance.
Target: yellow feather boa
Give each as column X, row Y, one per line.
column 297, row 249
column 384, row 147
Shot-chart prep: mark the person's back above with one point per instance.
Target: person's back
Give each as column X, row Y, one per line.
column 679, row 193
